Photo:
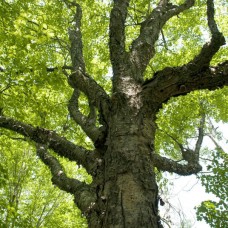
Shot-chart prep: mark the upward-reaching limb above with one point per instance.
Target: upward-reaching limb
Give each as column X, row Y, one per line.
column 196, row 74
column 79, row 80
column 117, row 34
column 143, row 48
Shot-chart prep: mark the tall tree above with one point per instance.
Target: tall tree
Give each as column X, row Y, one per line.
column 54, row 50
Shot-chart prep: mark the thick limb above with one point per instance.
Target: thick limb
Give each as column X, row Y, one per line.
column 79, row 79
column 117, row 33
column 94, row 92
column 190, row 156
column 202, row 60
column 83, row 193
column 52, row 140
column 165, row 164
column 196, row 74
column 88, row 123
column 178, row 81
column 143, row 48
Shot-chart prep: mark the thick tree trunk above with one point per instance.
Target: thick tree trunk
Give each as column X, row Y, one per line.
column 127, row 191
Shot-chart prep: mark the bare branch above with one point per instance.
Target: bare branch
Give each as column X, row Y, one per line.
column 212, row 135
column 84, row 196
column 86, row 122
column 117, row 33
column 60, row 145
column 165, row 164
column 143, row 48
column 164, row 41
column 215, row 142
column 201, row 135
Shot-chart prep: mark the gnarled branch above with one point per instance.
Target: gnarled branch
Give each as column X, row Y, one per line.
column 75, row 36
column 143, row 48
column 165, row 164
column 202, row 60
column 196, row 74
column 79, row 79
column 60, row 145
column 117, row 33
column 178, row 81
column 83, row 193
column 86, row 122
column 95, row 93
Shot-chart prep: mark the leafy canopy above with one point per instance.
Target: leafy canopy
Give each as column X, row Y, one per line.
column 34, row 37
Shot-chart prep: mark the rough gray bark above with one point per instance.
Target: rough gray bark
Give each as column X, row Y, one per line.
column 124, row 192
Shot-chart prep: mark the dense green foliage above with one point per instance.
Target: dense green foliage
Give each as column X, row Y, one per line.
column 33, row 37
column 215, row 213
column 27, row 198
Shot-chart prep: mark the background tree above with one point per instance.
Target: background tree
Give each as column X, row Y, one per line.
column 60, row 54
column 27, row 198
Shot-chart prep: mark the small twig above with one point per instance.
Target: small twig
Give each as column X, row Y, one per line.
column 205, row 159
column 163, row 37
column 6, row 87
column 175, row 140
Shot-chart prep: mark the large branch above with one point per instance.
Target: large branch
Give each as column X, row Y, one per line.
column 117, row 33
column 143, row 48
column 83, row 193
column 190, row 156
column 177, row 81
column 79, row 79
column 60, row 145
column 196, row 74
column 165, row 164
